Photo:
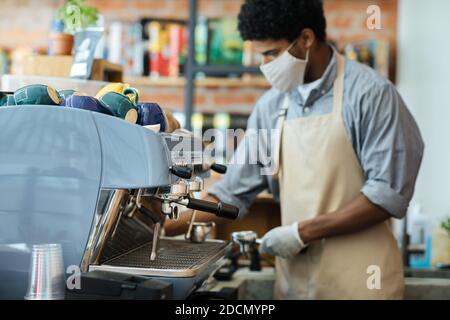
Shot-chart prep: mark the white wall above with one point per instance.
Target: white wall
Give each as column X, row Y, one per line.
column 424, row 82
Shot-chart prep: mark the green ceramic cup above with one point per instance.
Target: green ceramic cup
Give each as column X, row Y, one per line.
column 64, row 94
column 121, row 105
column 132, row 94
column 7, row 100
column 37, row 94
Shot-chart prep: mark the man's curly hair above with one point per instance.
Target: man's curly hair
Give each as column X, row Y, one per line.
column 281, row 19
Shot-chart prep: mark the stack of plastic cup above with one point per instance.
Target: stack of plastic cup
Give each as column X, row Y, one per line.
column 46, row 279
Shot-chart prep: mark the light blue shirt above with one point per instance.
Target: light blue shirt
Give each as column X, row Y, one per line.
column 383, row 133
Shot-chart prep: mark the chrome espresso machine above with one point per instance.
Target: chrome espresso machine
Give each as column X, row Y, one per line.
column 102, row 189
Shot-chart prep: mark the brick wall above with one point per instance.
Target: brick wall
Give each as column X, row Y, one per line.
column 210, row 99
column 26, row 22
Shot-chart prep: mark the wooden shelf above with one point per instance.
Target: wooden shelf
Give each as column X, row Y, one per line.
column 14, row 82
column 246, row 82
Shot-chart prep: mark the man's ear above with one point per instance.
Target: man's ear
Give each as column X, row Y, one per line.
column 307, row 38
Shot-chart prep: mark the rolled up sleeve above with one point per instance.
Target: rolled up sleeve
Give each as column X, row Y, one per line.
column 243, row 181
column 391, row 150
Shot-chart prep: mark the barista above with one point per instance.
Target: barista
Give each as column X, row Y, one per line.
column 346, row 162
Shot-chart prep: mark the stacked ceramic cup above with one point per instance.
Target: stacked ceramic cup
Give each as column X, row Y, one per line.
column 7, row 100
column 122, row 100
column 84, row 102
column 116, row 99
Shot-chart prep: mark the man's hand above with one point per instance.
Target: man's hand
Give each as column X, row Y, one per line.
column 172, row 123
column 357, row 215
column 284, row 242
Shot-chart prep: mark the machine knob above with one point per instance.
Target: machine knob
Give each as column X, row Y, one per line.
column 181, row 172
column 219, row 168
column 220, row 209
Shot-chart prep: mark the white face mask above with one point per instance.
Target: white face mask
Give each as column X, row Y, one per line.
column 286, row 72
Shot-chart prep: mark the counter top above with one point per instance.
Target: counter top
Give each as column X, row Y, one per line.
column 259, row 286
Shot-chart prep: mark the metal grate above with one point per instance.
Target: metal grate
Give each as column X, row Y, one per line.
column 172, row 255
column 129, row 235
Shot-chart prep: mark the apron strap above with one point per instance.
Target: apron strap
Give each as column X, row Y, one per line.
column 338, row 89
column 279, row 129
column 338, row 98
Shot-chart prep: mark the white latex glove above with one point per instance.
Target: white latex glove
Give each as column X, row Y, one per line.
column 283, row 242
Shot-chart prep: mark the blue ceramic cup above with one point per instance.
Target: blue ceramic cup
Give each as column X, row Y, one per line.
column 88, row 103
column 150, row 114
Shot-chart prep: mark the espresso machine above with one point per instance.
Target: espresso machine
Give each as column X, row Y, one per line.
column 102, row 188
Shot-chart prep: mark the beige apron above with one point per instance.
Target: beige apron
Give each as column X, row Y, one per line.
column 319, row 173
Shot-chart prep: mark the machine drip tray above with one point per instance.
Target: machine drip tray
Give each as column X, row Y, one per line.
column 175, row 258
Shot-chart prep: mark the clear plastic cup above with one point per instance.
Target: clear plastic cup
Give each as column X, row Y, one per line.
column 46, row 278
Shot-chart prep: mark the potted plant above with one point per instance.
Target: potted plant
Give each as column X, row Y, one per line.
column 72, row 16
column 446, row 226
column 441, row 244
